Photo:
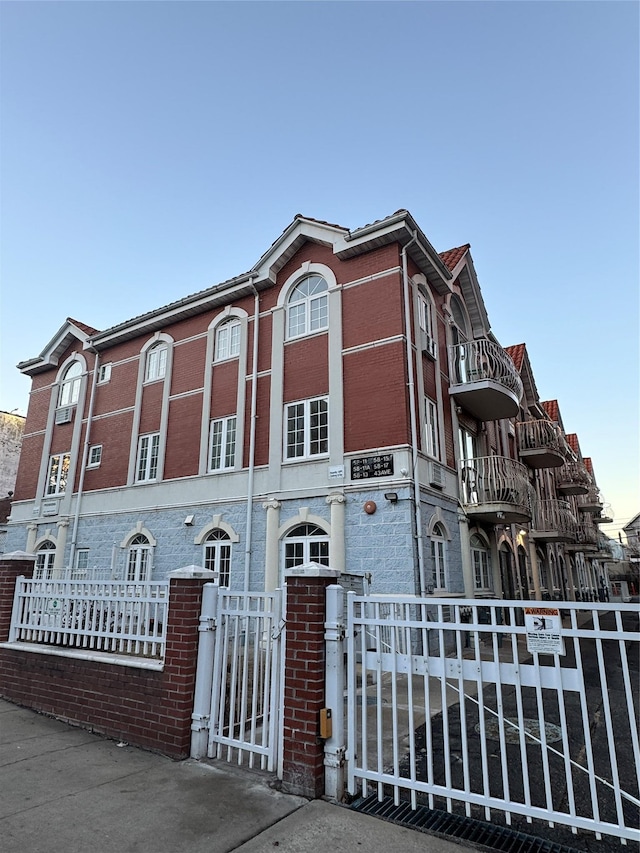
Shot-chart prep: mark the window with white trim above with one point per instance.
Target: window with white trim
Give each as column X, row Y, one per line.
column 306, row 543
column 227, row 340
column 70, row 387
column 156, row 363
column 217, row 556
column 439, row 557
column 147, row 462
column 307, row 307
column 104, row 373
column 306, row 427
column 426, row 315
column 82, row 564
column 58, row 473
column 139, row 559
column 431, row 427
column 222, row 443
column 45, row 557
column 95, row 456
column 481, row 562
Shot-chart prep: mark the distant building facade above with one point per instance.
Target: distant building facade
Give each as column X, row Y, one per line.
column 343, row 402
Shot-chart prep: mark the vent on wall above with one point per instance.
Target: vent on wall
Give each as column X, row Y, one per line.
column 63, row 416
column 436, row 476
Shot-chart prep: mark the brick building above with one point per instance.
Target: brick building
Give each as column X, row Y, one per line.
column 344, row 402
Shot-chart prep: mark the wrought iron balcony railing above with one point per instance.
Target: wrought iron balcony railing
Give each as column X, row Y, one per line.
column 586, row 537
column 496, row 488
column 553, row 521
column 484, row 379
column 541, row 444
column 590, row 502
column 573, row 479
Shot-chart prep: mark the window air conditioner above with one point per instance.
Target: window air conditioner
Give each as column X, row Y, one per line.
column 63, row 416
column 436, row 476
column 428, row 344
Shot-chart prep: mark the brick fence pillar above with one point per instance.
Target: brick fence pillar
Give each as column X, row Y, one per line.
column 304, row 680
column 185, row 599
column 12, row 565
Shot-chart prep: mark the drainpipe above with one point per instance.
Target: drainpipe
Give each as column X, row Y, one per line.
column 412, row 415
column 252, row 438
column 83, row 465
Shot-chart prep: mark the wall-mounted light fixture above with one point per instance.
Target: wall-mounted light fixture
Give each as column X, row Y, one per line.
column 392, row 497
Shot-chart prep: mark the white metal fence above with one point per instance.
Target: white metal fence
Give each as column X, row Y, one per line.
column 507, row 711
column 116, row 617
column 246, row 691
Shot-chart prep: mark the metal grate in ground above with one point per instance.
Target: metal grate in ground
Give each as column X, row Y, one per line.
column 468, row 829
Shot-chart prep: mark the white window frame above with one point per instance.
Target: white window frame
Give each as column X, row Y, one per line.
column 156, row 362
column 70, row 385
column 147, row 457
column 217, row 555
column 58, row 473
column 302, row 414
column 104, row 373
column 81, row 564
column 95, row 456
column 228, row 336
column 138, row 568
column 439, row 558
column 226, row 429
column 308, row 312
column 432, row 444
column 426, row 318
column 308, row 544
column 481, row 563
column 45, row 558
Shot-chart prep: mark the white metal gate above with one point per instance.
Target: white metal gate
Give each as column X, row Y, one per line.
column 239, row 681
column 482, row 708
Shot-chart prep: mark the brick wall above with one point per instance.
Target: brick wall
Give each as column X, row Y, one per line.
column 144, row 707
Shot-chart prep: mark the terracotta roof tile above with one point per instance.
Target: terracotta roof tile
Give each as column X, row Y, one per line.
column 588, row 464
column 83, row 326
column 451, row 258
column 572, row 441
column 552, row 409
column 516, row 353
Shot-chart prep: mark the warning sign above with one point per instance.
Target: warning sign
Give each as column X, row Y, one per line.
column 544, row 630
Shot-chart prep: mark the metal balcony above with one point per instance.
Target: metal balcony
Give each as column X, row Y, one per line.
column 590, row 502
column 554, row 522
column 586, row 538
column 573, row 479
column 484, row 380
column 606, row 515
column 496, row 489
column 541, row 444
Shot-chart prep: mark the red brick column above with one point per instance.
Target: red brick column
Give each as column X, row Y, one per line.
column 304, row 681
column 12, row 565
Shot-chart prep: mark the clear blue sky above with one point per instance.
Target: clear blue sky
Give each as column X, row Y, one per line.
column 149, row 150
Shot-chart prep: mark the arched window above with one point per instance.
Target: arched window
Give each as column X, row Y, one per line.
column 217, row 555
column 481, row 562
column 45, row 556
column 70, row 387
column 439, row 556
column 227, row 340
column 306, row 543
column 156, row 364
column 542, row 569
column 139, row 559
column 307, row 307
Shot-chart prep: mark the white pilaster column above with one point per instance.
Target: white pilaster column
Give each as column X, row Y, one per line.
column 61, row 544
column 535, row 571
column 337, row 557
column 271, row 551
column 32, row 531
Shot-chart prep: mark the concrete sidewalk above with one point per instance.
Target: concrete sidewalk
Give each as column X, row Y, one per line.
column 66, row 790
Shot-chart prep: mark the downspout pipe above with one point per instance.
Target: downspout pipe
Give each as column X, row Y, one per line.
column 412, row 416
column 252, row 437
column 84, row 462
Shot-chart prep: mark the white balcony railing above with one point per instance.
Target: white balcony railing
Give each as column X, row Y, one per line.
column 476, row 361
column 555, row 519
column 496, row 480
column 541, row 435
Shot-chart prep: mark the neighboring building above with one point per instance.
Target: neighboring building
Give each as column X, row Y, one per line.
column 343, row 402
column 11, row 431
